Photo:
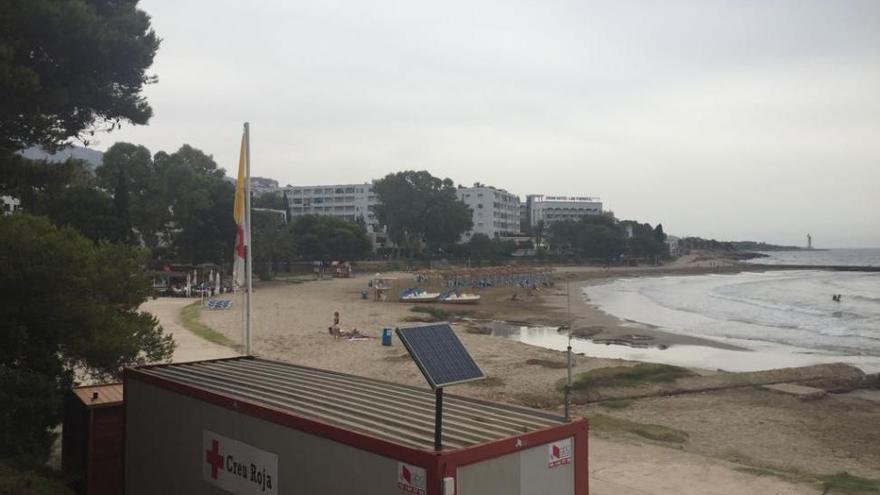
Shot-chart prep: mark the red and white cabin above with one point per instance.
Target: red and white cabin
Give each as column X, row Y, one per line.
column 254, row 426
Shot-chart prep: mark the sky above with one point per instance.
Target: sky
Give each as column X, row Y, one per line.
column 736, row 120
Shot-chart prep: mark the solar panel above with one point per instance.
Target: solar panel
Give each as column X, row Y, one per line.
column 439, row 355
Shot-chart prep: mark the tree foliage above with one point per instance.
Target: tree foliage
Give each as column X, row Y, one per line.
column 90, row 211
column 127, row 172
column 420, row 209
column 481, row 247
column 273, row 241
column 201, row 228
column 646, row 241
column 591, row 237
column 270, row 200
column 66, row 304
column 68, row 65
column 34, row 182
column 180, row 200
column 321, row 237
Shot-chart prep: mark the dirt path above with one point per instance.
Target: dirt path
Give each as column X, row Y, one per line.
column 189, row 346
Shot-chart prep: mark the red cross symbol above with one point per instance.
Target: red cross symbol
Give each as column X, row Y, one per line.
column 214, row 458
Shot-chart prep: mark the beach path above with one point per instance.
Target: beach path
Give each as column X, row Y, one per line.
column 190, row 347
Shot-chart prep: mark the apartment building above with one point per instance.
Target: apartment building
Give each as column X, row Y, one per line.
column 495, row 211
column 549, row 209
column 346, row 201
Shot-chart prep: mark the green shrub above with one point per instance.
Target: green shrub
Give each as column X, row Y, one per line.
column 846, row 482
column 629, row 376
column 438, row 314
column 616, row 404
column 30, row 482
column 189, row 318
column 658, row 433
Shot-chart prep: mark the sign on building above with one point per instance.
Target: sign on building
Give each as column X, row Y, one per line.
column 559, row 453
column 411, row 479
column 238, row 467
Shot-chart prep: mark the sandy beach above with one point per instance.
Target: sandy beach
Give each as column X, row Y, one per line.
column 739, row 436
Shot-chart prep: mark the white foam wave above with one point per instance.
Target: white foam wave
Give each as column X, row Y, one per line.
column 793, row 308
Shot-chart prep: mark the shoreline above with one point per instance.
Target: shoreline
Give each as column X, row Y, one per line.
column 570, row 307
column 595, row 324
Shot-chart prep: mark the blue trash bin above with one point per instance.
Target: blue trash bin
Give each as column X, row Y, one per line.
column 386, row 336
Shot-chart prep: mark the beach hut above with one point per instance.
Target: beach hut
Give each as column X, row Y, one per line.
column 91, row 439
column 250, row 425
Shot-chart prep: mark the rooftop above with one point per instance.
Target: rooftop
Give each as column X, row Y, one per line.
column 100, row 395
column 397, row 413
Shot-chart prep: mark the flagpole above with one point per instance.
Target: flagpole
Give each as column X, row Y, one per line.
column 247, row 232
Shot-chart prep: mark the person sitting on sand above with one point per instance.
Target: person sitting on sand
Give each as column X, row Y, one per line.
column 353, row 334
column 334, row 331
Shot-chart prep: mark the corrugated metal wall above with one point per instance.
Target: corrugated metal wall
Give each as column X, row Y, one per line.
column 164, row 453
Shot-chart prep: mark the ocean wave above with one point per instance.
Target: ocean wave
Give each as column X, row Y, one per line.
column 751, row 301
column 791, row 308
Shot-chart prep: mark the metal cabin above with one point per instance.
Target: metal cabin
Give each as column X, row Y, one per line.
column 248, row 425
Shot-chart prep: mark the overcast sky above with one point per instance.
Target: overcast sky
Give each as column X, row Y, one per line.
column 729, row 119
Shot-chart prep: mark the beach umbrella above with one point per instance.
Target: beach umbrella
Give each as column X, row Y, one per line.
column 217, row 282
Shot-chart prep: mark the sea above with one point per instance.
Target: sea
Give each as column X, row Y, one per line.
column 822, row 257
column 779, row 318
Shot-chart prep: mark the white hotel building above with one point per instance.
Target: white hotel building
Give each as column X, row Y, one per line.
column 346, row 201
column 549, row 209
column 495, row 211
